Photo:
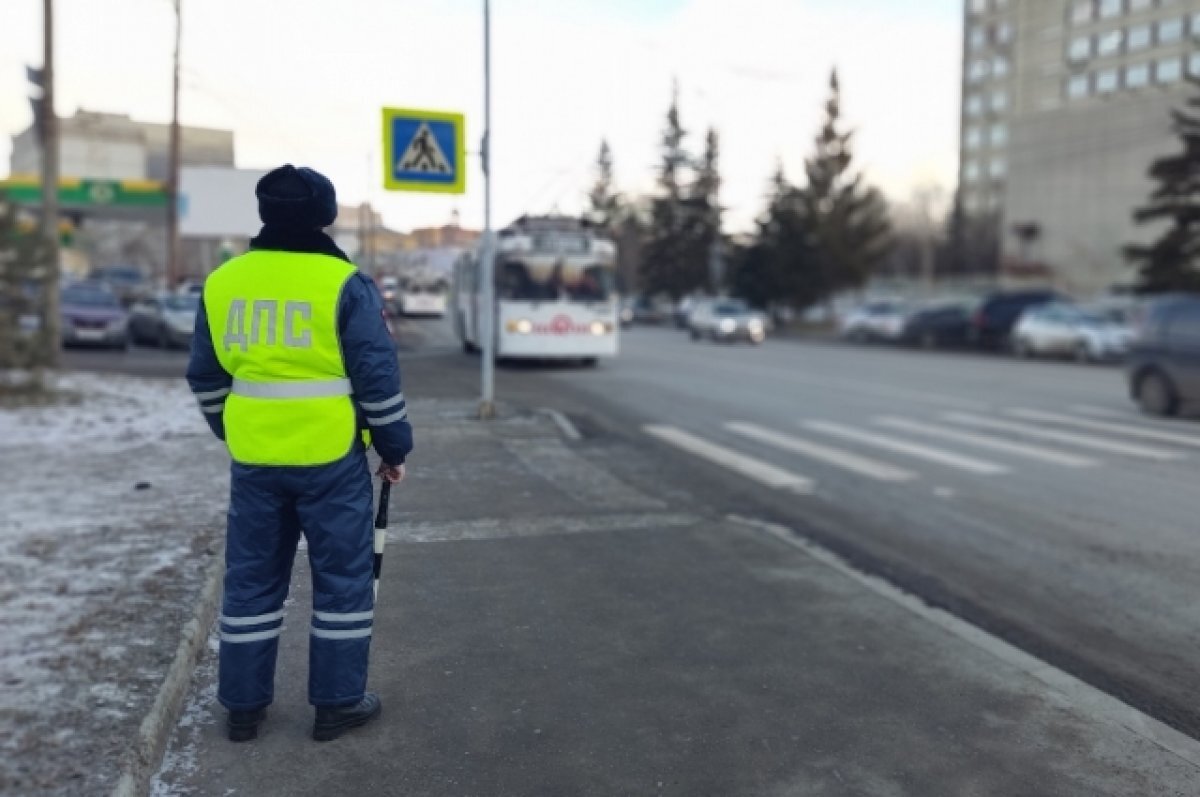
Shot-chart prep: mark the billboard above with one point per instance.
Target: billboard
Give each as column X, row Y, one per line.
column 218, row 202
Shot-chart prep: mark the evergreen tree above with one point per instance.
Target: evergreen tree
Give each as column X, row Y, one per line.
column 604, row 200
column 847, row 220
column 25, row 275
column 1171, row 262
column 665, row 257
column 703, row 218
column 781, row 266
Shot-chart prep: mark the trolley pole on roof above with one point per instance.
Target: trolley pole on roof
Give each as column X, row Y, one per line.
column 487, row 316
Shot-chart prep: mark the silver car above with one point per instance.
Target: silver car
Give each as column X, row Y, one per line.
column 727, row 320
column 166, row 321
column 1065, row 330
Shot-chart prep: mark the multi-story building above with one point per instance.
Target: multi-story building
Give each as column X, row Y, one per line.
column 1065, row 104
column 113, row 146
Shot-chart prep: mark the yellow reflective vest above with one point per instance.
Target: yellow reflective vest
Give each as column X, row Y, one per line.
column 273, row 320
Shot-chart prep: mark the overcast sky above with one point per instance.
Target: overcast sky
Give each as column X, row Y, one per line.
column 302, row 81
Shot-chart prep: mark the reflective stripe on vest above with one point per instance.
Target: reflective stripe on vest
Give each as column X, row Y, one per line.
column 293, row 390
column 273, row 320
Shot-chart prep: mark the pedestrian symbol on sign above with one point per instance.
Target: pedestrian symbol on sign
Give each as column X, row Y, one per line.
column 424, row 151
column 424, row 154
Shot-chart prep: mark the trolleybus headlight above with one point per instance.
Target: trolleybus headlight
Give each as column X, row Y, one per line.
column 522, row 326
column 601, row 328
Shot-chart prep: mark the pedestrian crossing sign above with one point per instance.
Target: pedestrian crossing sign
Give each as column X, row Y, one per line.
column 424, row 151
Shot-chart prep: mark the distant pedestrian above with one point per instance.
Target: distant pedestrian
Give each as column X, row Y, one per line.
column 294, row 368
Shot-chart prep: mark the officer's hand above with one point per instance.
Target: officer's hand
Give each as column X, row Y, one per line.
column 393, row 474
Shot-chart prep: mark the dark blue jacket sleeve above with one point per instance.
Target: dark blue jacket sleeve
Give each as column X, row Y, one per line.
column 373, row 366
column 209, row 381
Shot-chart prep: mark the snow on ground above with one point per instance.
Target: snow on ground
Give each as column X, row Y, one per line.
column 112, row 505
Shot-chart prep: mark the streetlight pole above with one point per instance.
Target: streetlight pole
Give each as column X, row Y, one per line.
column 173, row 247
column 50, row 169
column 487, row 403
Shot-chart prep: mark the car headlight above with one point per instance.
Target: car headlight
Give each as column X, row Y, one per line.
column 727, row 325
column 754, row 325
column 520, row 326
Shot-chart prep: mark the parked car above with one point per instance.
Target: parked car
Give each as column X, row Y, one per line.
column 1065, row 330
column 1163, row 365
column 92, row 315
column 994, row 319
column 727, row 320
column 938, row 324
column 625, row 311
column 651, row 311
column 128, row 283
column 166, row 321
column 878, row 320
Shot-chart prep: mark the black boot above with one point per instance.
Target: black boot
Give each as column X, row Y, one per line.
column 333, row 721
column 243, row 725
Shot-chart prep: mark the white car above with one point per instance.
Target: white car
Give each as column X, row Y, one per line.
column 1065, row 330
column 882, row 319
column 727, row 320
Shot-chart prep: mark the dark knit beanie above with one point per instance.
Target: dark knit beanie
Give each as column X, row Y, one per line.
column 299, row 198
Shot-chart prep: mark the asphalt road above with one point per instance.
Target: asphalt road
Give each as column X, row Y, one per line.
column 1028, row 498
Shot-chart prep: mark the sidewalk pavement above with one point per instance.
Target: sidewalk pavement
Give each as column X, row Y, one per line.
column 545, row 629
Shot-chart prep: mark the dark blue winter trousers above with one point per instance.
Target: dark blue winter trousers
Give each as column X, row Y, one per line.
column 269, row 508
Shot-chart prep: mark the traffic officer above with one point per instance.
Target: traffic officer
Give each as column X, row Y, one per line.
column 294, row 368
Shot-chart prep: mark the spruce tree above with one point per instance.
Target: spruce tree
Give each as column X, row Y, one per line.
column 847, row 220
column 603, row 198
column 1170, row 263
column 24, row 280
column 665, row 256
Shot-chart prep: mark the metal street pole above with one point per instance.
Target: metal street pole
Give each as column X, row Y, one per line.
column 50, row 169
column 173, row 246
column 487, row 403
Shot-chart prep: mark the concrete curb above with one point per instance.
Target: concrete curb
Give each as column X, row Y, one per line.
column 142, row 761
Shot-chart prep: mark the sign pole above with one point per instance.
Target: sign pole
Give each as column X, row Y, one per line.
column 487, row 407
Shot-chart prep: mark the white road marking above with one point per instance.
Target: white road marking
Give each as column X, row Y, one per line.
column 1083, row 697
column 863, row 466
column 969, row 464
column 564, row 425
column 756, row 469
column 1119, row 428
column 1071, row 438
column 1017, row 449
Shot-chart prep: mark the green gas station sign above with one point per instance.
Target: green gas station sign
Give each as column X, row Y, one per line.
column 83, row 193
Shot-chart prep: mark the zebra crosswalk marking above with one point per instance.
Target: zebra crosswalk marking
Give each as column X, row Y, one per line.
column 863, row 466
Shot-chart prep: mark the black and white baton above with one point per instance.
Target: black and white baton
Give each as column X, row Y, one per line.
column 381, row 523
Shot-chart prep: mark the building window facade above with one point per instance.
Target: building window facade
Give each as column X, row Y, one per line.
column 1078, row 87
column 999, row 135
column 973, row 138
column 1000, row 101
column 1111, row 8
column 1137, row 76
column 1168, row 70
column 1109, row 43
column 1081, row 48
column 1107, row 81
column 1194, row 65
column 974, row 105
column 1170, row 31
column 1082, row 11
column 1139, row 37
column 997, row 169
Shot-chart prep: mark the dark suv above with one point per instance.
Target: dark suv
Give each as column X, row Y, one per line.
column 1164, row 363
column 993, row 322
